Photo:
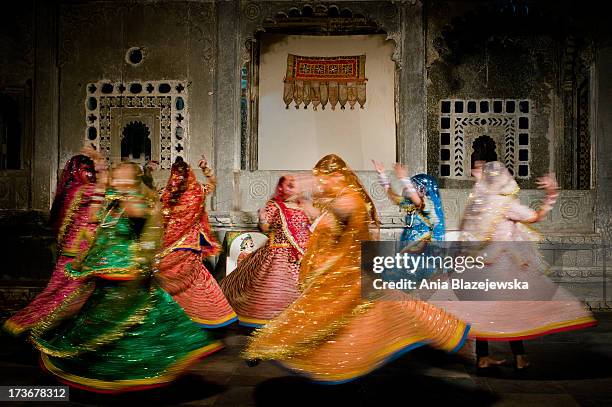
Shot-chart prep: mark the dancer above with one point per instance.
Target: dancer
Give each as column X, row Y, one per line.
column 330, row 333
column 266, row 281
column 130, row 334
column 188, row 239
column 420, row 200
column 493, row 217
column 70, row 220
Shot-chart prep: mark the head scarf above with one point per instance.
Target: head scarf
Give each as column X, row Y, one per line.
column 68, row 183
column 332, row 164
column 182, row 202
column 427, row 185
column 281, row 181
column 489, row 201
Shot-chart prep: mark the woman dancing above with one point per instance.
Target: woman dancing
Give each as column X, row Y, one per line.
column 493, row 217
column 266, row 281
column 421, row 203
column 330, row 333
column 188, row 239
column 70, row 220
column 130, row 334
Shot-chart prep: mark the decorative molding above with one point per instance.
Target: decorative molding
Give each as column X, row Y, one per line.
column 261, row 16
column 349, row 17
column 573, row 214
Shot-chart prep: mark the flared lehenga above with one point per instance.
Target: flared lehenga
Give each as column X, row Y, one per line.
column 543, row 309
column 62, row 296
column 266, row 281
column 188, row 239
column 330, row 333
column 499, row 222
column 130, row 334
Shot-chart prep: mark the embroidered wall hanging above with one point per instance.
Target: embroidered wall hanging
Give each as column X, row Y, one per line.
column 319, row 80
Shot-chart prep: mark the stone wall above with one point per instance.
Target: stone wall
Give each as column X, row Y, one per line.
column 444, row 50
column 16, row 80
column 178, row 42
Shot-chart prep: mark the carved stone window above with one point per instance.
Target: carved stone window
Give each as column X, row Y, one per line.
column 488, row 129
column 162, row 106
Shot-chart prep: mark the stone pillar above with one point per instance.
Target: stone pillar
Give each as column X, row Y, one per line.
column 602, row 115
column 226, row 107
column 603, row 134
column 411, row 117
column 45, row 140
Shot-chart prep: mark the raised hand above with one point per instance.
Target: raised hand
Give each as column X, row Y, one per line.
column 548, row 182
column 378, row 166
column 91, row 152
column 98, row 159
column 153, row 165
column 400, row 171
column 203, row 163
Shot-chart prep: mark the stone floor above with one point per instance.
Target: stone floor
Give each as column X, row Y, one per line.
column 568, row 369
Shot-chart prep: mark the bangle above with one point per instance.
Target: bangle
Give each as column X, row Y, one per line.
column 408, row 185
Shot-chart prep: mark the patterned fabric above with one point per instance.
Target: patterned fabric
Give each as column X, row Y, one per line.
column 494, row 214
column 427, row 222
column 187, row 241
column 129, row 334
column 78, row 171
column 325, row 79
column 330, row 333
column 266, row 281
column 186, row 223
column 63, row 296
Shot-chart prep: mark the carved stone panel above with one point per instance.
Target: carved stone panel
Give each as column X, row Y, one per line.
column 463, row 124
column 107, row 103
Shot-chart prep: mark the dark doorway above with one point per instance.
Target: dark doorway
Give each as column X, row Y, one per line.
column 135, row 143
column 484, row 150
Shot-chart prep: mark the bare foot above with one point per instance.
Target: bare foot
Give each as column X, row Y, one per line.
column 521, row 362
column 488, row 361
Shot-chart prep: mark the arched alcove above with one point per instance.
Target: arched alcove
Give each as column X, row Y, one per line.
column 323, row 20
column 484, row 149
column 136, row 142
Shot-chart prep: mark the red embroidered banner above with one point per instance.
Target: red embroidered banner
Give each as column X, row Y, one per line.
column 319, row 80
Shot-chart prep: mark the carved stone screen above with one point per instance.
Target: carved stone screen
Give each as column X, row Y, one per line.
column 294, row 139
column 161, row 106
column 485, row 129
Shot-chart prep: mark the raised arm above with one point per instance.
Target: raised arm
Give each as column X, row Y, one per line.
column 408, row 189
column 102, row 178
column 211, row 180
column 384, row 181
column 550, row 186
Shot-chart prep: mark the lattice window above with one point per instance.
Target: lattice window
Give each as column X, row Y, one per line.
column 170, row 97
column 466, row 126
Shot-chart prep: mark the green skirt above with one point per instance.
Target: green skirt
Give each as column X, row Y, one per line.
column 128, row 336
